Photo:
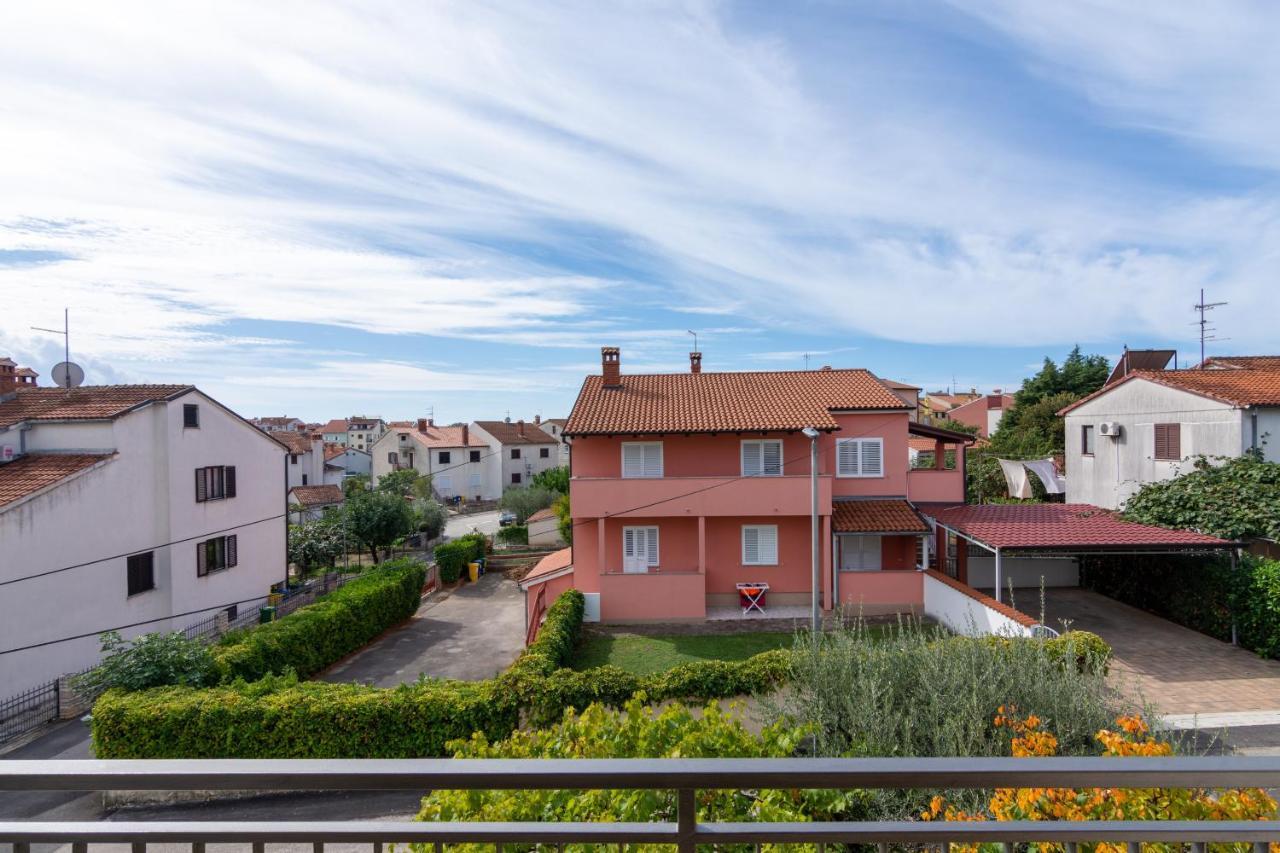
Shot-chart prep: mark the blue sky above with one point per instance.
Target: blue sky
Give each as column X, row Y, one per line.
column 325, row 208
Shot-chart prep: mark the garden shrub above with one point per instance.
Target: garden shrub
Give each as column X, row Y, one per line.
column 280, row 717
column 152, row 660
column 315, row 636
column 639, row 732
column 515, row 534
column 452, row 559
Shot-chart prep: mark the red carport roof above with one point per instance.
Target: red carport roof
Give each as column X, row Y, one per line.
column 1066, row 527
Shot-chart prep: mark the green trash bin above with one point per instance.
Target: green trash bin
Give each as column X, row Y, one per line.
column 266, row 614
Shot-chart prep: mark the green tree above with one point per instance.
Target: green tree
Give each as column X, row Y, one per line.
column 315, row 544
column 401, row 482
column 553, row 479
column 1080, row 375
column 1232, row 498
column 565, row 518
column 524, row 501
column 355, row 484
column 954, row 426
column 377, row 519
column 430, row 517
column 152, row 660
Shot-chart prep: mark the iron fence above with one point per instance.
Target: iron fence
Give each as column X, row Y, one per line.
column 28, row 709
column 677, row 825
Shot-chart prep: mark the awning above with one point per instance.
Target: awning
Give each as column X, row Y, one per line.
column 1066, row 528
column 877, row 516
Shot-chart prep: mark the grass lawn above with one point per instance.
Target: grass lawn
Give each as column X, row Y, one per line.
column 643, row 655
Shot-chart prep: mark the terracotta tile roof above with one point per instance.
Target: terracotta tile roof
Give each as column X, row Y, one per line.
column 335, row 425
column 438, row 436
column 297, row 442
column 725, row 402
column 1271, row 362
column 509, row 433
column 28, row 474
column 1064, row 527
column 90, row 402
column 553, row 562
column 317, row 495
column 876, row 516
column 333, row 451
column 895, row 385
column 541, row 514
column 281, row 420
column 1236, row 386
column 921, row 444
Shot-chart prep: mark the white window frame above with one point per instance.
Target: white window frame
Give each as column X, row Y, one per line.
column 759, row 444
column 863, row 539
column 858, row 443
column 644, row 475
column 651, row 559
column 760, row 558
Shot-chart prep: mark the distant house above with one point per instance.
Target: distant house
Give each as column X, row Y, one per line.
column 363, row 432
column 1146, row 425
column 909, row 394
column 984, row 413
column 456, row 459
column 554, row 427
column 937, row 404
column 522, row 450
column 136, row 508
column 544, row 528
column 305, row 465
column 279, row 424
column 335, row 432
column 307, row 503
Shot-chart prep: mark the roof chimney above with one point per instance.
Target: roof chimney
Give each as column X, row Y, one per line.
column 423, row 423
column 465, row 435
column 8, row 375
column 537, row 420
column 520, row 427
column 695, row 362
column 611, row 366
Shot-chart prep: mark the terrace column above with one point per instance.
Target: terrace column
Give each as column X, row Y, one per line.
column 828, row 570
column 939, row 455
column 702, row 544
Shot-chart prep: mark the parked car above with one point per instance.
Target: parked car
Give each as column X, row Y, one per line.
column 506, row 519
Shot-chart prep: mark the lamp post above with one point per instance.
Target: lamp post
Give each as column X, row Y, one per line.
column 815, row 616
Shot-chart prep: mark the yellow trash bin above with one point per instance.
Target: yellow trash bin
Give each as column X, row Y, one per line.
column 473, row 569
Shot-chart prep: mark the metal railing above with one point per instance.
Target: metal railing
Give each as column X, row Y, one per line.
column 684, row 777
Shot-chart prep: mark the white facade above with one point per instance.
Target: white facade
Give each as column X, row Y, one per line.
column 517, row 462
column 455, row 470
column 1120, row 466
column 363, row 433
column 555, row 429
column 136, row 500
column 307, row 468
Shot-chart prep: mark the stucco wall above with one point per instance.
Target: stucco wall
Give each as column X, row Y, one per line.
column 659, row 597
column 881, row 592
column 965, row 614
column 141, row 499
column 1120, row 466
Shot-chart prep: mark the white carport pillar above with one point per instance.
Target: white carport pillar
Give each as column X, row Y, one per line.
column 924, row 551
column 997, row 553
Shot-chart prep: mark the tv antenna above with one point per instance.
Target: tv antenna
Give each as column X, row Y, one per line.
column 695, row 340
column 1206, row 331
column 66, row 374
column 806, row 361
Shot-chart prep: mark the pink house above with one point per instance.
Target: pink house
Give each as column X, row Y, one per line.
column 686, row 485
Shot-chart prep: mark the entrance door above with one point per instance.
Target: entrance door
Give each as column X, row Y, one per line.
column 859, row 553
column 639, row 548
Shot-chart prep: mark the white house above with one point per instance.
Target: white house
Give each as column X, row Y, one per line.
column 135, row 508
column 306, row 459
column 341, row 462
column 307, row 503
column 1149, row 424
column 363, row 432
column 458, row 461
column 523, row 450
column 279, row 424
column 544, row 528
column 554, row 427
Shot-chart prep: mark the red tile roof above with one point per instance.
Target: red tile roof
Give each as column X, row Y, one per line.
column 541, row 514
column 553, row 562
column 333, row 451
column 1064, row 527
column 317, row 495
column 297, row 442
column 1271, row 362
column 876, row 516
column 28, row 474
column 725, row 402
column 509, row 433
column 438, row 436
column 1238, row 386
column 91, row 402
column 335, row 425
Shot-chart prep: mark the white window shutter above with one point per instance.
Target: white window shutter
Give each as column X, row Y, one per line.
column 847, row 457
column 750, row 458
column 872, row 457
column 633, row 460
column 628, row 542
column 750, row 544
column 652, row 533
column 771, row 458
column 767, row 537
column 652, row 460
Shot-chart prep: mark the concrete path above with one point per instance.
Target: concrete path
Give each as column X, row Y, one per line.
column 1181, row 671
column 472, row 633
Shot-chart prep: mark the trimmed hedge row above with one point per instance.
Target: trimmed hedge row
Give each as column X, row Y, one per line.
column 313, row 637
column 453, row 556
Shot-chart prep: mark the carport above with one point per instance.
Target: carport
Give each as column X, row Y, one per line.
column 1053, row 533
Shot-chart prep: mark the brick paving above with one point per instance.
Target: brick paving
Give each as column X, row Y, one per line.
column 1179, row 670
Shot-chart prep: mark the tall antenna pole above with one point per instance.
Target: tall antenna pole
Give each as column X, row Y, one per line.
column 1203, row 323
column 695, row 340
column 65, row 331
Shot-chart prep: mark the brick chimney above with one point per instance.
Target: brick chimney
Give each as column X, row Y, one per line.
column 611, row 366
column 466, row 431
column 8, row 375
column 695, row 362
column 537, row 420
column 423, row 423
column 520, row 427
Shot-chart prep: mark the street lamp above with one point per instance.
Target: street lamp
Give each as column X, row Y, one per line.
column 816, row 617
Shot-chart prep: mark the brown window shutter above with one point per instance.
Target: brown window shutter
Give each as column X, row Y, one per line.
column 231, row 551
column 202, row 565
column 1175, row 441
column 231, row 481
column 1162, row 442
column 202, row 488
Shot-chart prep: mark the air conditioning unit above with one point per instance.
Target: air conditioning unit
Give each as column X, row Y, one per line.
column 1111, row 429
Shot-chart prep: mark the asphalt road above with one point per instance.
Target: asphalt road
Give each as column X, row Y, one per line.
column 460, row 525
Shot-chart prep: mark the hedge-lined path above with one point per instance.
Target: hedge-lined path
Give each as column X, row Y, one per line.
column 1180, row 670
column 470, row 633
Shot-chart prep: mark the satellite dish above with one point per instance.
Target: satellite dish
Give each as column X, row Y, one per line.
column 68, row 374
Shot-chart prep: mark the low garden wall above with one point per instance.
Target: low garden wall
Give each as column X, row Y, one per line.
column 966, row 611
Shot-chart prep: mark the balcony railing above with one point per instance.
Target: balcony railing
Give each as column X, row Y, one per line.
column 684, row 776
column 694, row 496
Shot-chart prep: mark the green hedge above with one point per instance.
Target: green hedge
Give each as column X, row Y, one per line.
column 514, row 534
column 282, row 718
column 313, row 637
column 453, row 556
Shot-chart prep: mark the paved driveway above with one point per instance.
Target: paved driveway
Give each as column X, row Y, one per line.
column 472, row 634
column 1181, row 671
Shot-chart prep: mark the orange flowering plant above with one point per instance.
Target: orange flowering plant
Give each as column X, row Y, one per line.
column 1133, row 738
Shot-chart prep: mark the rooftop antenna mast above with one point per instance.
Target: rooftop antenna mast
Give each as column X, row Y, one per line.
column 695, row 340
column 1206, row 331
column 66, row 374
column 806, row 361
